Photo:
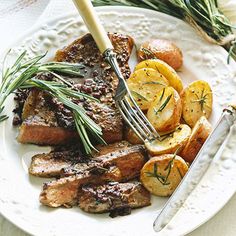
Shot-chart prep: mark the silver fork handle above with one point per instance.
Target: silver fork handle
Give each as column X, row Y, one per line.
column 122, row 89
column 103, row 42
column 130, row 112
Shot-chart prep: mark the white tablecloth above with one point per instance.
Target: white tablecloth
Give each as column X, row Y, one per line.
column 16, row 16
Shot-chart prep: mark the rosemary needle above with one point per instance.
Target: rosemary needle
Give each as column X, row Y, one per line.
column 154, row 82
column 164, row 179
column 22, row 74
column 164, row 104
column 138, row 95
column 2, row 117
column 203, row 15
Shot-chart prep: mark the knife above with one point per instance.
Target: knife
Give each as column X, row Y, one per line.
column 198, row 168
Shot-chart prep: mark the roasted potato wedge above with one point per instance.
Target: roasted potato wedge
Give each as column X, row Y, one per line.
column 162, row 174
column 144, row 85
column 161, row 49
column 169, row 143
column 163, row 68
column 196, row 101
column 200, row 133
column 131, row 137
column 165, row 111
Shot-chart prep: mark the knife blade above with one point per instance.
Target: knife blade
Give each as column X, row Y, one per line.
column 197, row 169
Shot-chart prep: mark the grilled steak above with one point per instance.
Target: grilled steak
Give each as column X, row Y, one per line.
column 125, row 160
column 45, row 121
column 45, row 165
column 51, row 164
column 105, row 149
column 116, row 198
column 119, row 166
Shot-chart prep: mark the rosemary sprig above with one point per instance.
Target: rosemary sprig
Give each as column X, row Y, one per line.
column 180, row 174
column 169, row 168
column 201, row 99
column 158, row 5
column 161, row 108
column 154, row 82
column 163, row 179
column 138, row 95
column 2, row 117
column 164, row 104
column 162, row 94
column 148, row 53
column 166, row 136
column 203, row 15
column 22, row 74
column 155, row 174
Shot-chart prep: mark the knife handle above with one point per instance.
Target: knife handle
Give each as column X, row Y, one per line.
column 231, row 109
column 93, row 24
column 233, row 105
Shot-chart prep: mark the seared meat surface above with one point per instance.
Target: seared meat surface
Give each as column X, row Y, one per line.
column 46, row 166
column 95, row 183
column 120, row 166
column 126, row 160
column 47, row 122
column 105, row 149
column 52, row 164
column 116, row 198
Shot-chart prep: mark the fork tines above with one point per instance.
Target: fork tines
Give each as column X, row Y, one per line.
column 133, row 115
column 127, row 106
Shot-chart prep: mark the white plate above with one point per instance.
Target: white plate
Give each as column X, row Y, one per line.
column 19, row 191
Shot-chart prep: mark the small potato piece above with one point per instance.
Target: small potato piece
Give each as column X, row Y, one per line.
column 199, row 134
column 169, row 143
column 161, row 49
column 165, row 111
column 144, row 85
column 196, row 101
column 163, row 68
column 131, row 137
column 154, row 174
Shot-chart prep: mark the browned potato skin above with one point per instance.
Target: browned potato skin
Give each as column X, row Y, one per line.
column 170, row 145
column 131, row 137
column 162, row 49
column 191, row 109
column 153, row 185
column 137, row 83
column 166, row 126
column 200, row 133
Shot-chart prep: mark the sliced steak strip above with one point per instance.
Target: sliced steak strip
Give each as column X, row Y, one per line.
column 46, row 166
column 124, row 166
column 124, row 159
column 105, row 149
column 116, row 198
column 50, row 164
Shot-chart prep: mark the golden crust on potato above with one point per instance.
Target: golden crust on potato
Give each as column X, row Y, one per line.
column 196, row 101
column 200, row 133
column 165, row 111
column 162, row 174
column 166, row 70
column 169, row 143
column 144, row 85
column 161, row 49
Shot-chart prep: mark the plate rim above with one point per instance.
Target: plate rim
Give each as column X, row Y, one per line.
column 69, row 14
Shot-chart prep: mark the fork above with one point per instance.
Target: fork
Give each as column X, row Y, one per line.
column 126, row 104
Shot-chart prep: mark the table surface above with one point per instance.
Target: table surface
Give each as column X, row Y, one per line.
column 222, row 224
